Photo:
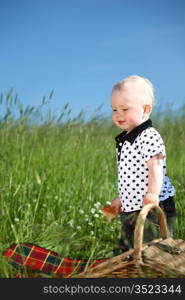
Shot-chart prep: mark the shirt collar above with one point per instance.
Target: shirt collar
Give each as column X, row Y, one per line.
column 131, row 136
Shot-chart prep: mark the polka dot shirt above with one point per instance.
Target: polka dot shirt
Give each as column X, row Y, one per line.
column 134, row 149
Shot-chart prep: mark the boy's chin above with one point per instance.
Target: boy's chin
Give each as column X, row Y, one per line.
column 121, row 125
column 124, row 127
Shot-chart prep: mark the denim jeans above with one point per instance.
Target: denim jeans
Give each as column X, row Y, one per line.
column 151, row 227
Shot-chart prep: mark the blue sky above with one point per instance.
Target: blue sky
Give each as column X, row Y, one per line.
column 81, row 48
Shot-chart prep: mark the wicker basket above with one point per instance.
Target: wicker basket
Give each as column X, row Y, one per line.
column 164, row 258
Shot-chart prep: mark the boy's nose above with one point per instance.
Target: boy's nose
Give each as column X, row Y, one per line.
column 119, row 113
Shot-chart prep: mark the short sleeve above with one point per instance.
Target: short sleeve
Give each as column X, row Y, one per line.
column 151, row 144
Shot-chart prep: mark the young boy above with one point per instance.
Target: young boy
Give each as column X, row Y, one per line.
column 141, row 160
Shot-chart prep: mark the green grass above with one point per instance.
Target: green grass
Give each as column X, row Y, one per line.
column 56, row 175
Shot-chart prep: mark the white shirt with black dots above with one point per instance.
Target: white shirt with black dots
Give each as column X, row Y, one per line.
column 134, row 149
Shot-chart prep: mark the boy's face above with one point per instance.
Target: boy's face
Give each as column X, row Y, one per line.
column 127, row 108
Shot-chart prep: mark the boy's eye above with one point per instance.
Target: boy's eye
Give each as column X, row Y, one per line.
column 123, row 109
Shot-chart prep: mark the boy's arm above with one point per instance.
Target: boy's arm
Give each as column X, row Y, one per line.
column 155, row 179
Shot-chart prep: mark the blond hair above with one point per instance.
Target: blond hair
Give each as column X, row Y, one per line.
column 143, row 84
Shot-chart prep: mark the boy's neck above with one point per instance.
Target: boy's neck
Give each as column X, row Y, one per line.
column 144, row 120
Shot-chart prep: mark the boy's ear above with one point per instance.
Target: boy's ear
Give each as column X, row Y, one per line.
column 147, row 108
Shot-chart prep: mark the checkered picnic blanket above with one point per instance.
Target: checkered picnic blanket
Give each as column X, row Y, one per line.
column 37, row 258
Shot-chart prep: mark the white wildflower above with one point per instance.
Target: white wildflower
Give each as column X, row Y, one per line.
column 93, row 210
column 97, row 204
column 16, row 219
column 96, row 215
column 81, row 211
column 78, row 227
column 71, row 223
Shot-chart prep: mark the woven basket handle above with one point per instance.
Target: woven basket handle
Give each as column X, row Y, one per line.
column 139, row 228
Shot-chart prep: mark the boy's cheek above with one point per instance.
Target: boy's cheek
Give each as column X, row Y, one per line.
column 114, row 119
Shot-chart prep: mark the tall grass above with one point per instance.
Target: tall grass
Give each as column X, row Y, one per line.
column 56, row 172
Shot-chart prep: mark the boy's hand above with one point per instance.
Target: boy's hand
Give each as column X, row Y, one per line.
column 151, row 198
column 111, row 211
column 116, row 203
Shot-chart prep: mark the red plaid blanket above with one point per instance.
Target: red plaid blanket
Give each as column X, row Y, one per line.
column 37, row 258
